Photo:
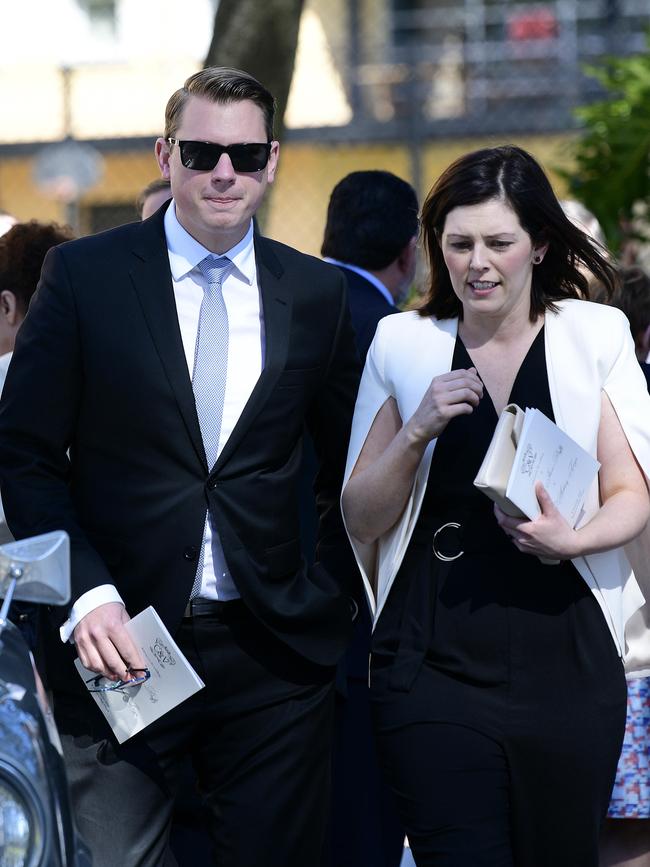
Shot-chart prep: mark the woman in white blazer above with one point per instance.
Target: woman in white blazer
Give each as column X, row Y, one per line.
column 497, row 681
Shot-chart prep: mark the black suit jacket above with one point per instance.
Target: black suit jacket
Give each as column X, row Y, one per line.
column 367, row 307
column 99, row 369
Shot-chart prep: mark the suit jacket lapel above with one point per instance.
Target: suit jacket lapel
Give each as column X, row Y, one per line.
column 276, row 299
column 152, row 280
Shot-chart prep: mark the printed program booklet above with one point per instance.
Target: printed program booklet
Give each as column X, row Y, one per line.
column 547, row 454
column 130, row 709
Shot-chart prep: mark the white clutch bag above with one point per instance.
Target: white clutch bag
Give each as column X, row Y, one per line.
column 494, row 473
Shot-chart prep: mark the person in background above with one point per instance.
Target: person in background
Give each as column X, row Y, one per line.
column 584, row 219
column 633, row 298
column 22, row 251
column 625, row 841
column 152, row 197
column 154, row 409
column 497, row 686
column 371, row 235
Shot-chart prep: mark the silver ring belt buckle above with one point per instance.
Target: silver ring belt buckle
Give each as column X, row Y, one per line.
column 447, row 558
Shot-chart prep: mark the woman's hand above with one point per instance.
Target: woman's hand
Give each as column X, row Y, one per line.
column 449, row 395
column 382, row 479
column 548, row 536
column 624, row 510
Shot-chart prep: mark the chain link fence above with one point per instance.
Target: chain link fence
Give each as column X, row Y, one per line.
column 402, row 85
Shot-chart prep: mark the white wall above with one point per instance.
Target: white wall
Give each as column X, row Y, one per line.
column 120, row 82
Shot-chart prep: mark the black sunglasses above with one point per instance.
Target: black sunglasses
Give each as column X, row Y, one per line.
column 202, row 156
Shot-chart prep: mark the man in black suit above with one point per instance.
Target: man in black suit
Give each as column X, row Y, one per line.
column 371, row 234
column 154, row 410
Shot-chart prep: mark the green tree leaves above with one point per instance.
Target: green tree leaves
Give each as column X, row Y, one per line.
column 612, row 152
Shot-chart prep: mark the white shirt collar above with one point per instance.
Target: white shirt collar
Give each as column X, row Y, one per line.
column 185, row 252
column 4, row 367
column 376, row 282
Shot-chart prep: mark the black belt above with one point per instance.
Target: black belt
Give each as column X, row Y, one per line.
column 212, row 608
column 448, row 537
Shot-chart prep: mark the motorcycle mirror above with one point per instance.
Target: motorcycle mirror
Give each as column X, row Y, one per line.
column 36, row 569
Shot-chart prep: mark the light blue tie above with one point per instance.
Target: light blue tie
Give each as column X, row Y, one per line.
column 210, row 368
column 211, row 355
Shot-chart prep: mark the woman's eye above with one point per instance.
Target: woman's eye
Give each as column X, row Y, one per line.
column 459, row 245
column 500, row 245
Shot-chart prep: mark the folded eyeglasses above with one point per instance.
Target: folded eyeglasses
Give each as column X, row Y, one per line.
column 99, row 683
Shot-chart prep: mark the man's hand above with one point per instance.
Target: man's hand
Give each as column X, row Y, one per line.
column 104, row 645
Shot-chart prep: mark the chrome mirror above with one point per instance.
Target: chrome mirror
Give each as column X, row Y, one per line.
column 35, row 570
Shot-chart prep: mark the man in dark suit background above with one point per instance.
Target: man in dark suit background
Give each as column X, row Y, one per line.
column 154, row 409
column 371, row 234
column 152, row 197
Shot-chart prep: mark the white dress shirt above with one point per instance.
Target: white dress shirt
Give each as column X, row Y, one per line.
column 246, row 342
column 4, row 367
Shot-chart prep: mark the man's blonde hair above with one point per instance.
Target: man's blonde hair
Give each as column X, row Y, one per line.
column 223, row 85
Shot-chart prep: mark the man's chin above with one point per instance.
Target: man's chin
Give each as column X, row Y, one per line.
column 228, row 220
column 230, row 223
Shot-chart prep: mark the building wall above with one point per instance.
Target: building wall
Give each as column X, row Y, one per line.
column 120, row 81
column 298, row 201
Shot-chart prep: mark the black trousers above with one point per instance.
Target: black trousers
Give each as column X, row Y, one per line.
column 364, row 829
column 468, row 800
column 259, row 736
column 451, row 786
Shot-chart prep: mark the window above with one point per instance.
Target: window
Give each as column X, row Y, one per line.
column 96, row 218
column 102, row 15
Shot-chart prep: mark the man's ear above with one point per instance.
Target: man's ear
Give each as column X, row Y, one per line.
column 272, row 165
column 9, row 307
column 161, row 149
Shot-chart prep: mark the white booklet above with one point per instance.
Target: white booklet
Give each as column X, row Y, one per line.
column 547, row 454
column 130, row 709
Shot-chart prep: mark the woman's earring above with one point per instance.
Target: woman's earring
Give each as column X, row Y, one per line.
column 537, row 260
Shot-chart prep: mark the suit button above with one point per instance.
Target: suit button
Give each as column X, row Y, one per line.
column 190, row 553
column 212, row 484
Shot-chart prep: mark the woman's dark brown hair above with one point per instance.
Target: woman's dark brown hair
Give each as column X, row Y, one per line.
column 513, row 176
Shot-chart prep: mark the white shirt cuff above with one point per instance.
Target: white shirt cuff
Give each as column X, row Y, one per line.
column 87, row 603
